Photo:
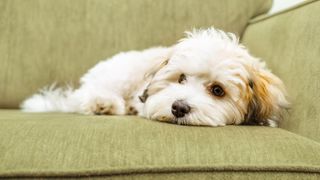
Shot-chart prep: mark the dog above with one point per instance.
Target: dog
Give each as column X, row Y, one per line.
column 207, row 78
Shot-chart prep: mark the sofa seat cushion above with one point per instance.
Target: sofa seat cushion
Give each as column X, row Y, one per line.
column 70, row 145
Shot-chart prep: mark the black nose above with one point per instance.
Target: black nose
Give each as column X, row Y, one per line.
column 180, row 108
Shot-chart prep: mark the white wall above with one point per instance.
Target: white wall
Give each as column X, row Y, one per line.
column 283, row 4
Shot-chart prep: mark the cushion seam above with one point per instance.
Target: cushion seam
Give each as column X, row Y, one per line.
column 160, row 170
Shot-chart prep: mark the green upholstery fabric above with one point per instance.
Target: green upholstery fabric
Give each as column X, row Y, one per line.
column 290, row 43
column 45, row 145
column 42, row 41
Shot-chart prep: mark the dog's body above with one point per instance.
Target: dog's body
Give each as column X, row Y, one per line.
column 205, row 79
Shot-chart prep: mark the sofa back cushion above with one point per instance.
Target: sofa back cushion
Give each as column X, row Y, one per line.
column 290, row 43
column 46, row 41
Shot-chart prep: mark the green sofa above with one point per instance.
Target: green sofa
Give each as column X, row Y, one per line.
column 45, row 41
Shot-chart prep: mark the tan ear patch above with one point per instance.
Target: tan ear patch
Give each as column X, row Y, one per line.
column 261, row 105
column 263, row 96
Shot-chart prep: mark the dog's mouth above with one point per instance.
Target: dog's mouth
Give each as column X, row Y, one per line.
column 180, row 121
column 173, row 120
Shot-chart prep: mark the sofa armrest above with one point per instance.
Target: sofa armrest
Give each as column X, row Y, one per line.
column 290, row 43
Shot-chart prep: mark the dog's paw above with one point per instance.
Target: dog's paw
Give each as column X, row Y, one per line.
column 131, row 110
column 104, row 106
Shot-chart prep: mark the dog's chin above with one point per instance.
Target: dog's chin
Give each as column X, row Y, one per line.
column 174, row 120
column 168, row 119
column 184, row 121
column 190, row 120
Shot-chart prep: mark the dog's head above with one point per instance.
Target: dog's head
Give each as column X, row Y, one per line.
column 210, row 79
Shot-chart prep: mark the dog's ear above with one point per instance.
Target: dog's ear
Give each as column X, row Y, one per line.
column 267, row 99
column 149, row 75
column 152, row 71
column 162, row 62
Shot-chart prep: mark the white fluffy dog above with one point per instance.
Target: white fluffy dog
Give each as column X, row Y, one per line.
column 207, row 78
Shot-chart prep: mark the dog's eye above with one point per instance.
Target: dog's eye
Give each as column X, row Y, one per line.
column 217, row 91
column 182, row 78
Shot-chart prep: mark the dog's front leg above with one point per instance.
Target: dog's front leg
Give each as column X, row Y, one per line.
column 93, row 103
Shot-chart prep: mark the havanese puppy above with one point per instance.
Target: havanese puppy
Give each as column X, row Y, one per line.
column 207, row 78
